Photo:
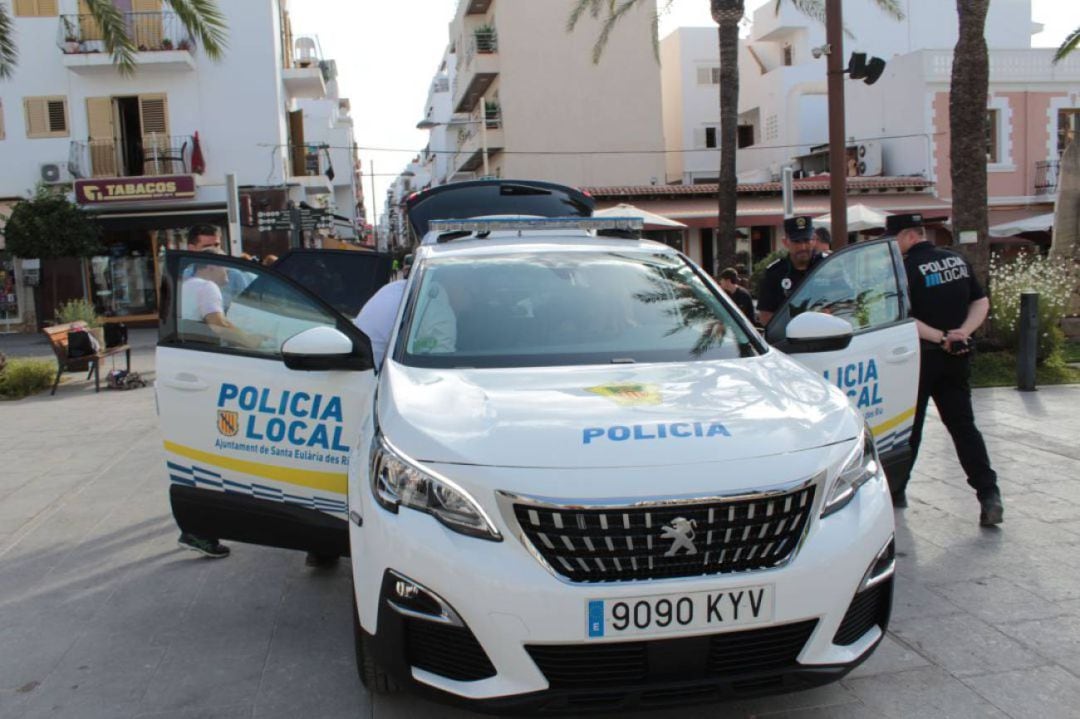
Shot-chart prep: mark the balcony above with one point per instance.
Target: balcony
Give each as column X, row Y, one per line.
column 308, row 168
column 470, row 146
column 1046, row 177
column 479, row 69
column 152, row 155
column 476, row 7
column 162, row 43
column 306, row 73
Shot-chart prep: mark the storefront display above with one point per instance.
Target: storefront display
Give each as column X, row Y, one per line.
column 9, row 298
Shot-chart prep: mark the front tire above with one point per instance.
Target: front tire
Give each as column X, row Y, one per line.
column 371, row 674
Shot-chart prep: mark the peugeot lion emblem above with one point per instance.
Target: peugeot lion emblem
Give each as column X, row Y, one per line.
column 681, row 534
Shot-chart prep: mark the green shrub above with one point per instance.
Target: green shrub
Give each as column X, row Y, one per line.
column 759, row 268
column 78, row 311
column 23, row 377
column 1054, row 280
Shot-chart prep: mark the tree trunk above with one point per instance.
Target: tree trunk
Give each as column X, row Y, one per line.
column 727, row 14
column 967, row 140
column 1066, row 243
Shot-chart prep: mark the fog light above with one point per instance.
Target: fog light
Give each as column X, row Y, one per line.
column 883, row 567
column 412, row 599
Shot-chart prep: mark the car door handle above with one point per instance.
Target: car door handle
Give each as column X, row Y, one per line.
column 185, row 382
column 900, row 354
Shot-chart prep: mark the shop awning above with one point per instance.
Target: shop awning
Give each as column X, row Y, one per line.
column 1038, row 223
column 141, row 217
column 651, row 219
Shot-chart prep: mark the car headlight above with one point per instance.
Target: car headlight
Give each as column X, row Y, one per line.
column 397, row 481
column 859, row 467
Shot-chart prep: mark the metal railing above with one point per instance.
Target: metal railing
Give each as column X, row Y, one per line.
column 1046, row 177
column 152, row 155
column 149, row 31
column 486, row 42
column 492, row 117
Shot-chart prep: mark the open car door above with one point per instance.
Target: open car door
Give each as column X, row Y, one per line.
column 344, row 279
column 258, row 412
column 878, row 369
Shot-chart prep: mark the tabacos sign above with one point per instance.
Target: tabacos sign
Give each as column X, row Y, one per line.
column 135, row 189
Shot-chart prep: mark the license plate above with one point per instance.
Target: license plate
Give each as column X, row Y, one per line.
column 676, row 613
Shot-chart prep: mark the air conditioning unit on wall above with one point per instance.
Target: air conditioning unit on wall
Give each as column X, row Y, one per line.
column 864, row 159
column 55, row 173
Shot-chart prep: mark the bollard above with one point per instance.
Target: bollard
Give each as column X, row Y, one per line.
column 1029, row 341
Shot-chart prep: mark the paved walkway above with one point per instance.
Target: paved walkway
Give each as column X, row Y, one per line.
column 101, row 615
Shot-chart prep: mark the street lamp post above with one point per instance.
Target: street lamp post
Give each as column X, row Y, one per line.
column 431, row 124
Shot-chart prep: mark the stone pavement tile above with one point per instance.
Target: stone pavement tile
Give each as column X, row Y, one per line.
column 103, row 675
column 829, row 695
column 1057, row 638
column 1046, row 507
column 926, row 693
column 891, row 656
column 855, row 710
column 1068, row 489
column 964, row 645
column 31, row 648
column 997, row 601
column 1044, row 692
column 913, row 600
column 1052, row 573
column 206, row 675
column 231, row 711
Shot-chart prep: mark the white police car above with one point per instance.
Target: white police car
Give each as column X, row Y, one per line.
column 580, row 480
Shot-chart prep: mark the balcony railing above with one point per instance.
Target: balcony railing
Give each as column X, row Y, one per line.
column 149, row 31
column 1046, row 177
column 492, row 116
column 152, row 155
column 486, row 42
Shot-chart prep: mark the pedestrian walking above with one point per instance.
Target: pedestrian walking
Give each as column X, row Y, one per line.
column 948, row 305
column 784, row 275
column 729, row 283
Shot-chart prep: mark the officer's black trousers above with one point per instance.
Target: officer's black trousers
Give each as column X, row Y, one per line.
column 944, row 377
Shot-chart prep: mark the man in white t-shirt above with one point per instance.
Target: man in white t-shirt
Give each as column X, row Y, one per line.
column 202, row 300
column 376, row 318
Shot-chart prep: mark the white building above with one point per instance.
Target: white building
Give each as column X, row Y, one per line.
column 782, row 86
column 525, row 89
column 69, row 117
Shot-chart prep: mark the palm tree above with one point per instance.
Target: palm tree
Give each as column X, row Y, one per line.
column 202, row 19
column 727, row 14
column 1070, row 44
column 970, row 85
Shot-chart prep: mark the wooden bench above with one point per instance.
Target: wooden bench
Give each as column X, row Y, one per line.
column 58, row 338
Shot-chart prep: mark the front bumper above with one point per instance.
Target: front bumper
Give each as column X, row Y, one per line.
column 511, row 605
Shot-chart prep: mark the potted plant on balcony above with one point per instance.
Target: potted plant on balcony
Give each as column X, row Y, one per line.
column 71, row 36
column 166, row 44
column 486, row 39
column 184, row 44
column 491, row 114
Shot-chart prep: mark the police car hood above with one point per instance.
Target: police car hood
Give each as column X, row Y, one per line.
column 611, row 416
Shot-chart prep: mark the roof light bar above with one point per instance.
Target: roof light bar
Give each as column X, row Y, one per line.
column 538, row 223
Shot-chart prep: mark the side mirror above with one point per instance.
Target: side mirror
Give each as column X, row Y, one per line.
column 817, row 332
column 321, row 348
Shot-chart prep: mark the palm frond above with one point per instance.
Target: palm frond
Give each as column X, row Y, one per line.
column 8, row 53
column 614, row 15
column 593, row 6
column 891, row 7
column 204, row 21
column 1070, row 44
column 114, row 33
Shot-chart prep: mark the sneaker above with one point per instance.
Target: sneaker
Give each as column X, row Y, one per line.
column 992, row 511
column 321, row 561
column 899, row 499
column 209, row 547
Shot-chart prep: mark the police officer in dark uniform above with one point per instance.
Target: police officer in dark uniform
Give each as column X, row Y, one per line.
column 948, row 305
column 783, row 276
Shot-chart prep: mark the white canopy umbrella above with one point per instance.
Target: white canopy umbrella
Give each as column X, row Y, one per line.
column 651, row 220
column 859, row 217
column 1039, row 223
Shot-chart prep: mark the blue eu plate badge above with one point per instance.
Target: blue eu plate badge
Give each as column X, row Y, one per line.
column 596, row 618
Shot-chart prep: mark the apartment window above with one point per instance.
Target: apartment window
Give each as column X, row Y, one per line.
column 708, row 75
column 746, row 136
column 1068, row 128
column 46, row 116
column 789, row 56
column 992, row 136
column 36, row 8
column 710, row 137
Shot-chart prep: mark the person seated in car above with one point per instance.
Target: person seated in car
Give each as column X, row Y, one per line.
column 202, row 300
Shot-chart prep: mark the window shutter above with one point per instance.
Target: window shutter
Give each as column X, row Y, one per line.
column 56, row 111
column 154, row 113
column 88, row 26
column 48, row 8
column 34, row 108
column 25, row 8
column 146, row 5
column 99, row 118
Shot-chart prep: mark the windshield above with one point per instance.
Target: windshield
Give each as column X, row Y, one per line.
column 547, row 309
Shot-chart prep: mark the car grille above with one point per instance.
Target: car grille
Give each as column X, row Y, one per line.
column 616, row 544
column 446, row 650
column 868, row 609
column 748, row 653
